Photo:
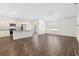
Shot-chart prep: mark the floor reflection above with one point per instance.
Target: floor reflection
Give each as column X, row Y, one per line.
column 35, row 42
column 54, row 45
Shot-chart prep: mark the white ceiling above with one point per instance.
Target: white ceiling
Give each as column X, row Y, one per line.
column 38, row 10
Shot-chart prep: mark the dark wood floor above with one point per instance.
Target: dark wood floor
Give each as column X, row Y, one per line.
column 45, row 45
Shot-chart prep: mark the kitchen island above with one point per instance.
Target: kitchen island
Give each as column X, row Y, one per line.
column 19, row 34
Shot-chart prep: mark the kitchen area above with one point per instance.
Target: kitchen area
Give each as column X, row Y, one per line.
column 20, row 28
column 17, row 28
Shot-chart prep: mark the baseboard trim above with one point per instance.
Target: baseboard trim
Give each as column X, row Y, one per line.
column 62, row 35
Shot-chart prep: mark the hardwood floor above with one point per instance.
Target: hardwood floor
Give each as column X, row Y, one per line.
column 42, row 45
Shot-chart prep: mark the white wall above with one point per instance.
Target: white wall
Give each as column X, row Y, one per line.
column 67, row 26
column 64, row 26
column 52, row 27
column 77, row 27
